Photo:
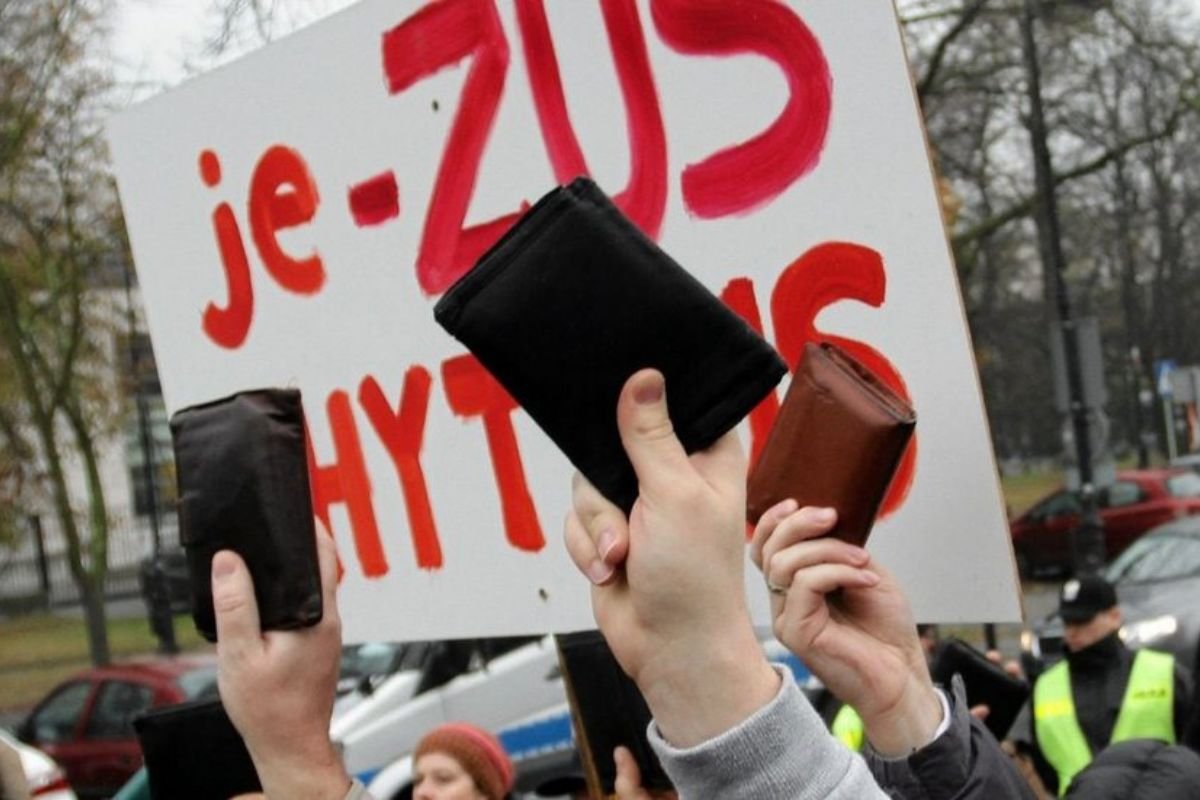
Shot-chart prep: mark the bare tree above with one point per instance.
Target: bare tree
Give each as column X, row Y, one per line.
column 56, row 223
column 1121, row 100
column 241, row 25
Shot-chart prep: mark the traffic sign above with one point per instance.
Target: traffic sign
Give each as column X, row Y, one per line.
column 1162, row 376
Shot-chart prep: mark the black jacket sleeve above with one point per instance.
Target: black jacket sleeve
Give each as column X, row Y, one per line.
column 1187, row 710
column 1185, row 699
column 964, row 763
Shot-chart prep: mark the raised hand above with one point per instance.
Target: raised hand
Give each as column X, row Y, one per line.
column 846, row 617
column 668, row 590
column 278, row 687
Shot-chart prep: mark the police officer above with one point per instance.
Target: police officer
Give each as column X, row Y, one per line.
column 1102, row 692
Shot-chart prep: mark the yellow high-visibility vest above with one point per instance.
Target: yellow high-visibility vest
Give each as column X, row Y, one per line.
column 848, row 727
column 1147, row 712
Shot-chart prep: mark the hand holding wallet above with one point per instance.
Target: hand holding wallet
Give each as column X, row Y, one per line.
column 242, row 468
column 836, row 443
column 572, row 301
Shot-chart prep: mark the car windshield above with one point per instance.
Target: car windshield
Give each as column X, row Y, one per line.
column 198, row 683
column 1185, row 484
column 1157, row 558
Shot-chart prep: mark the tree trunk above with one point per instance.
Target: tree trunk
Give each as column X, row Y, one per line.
column 85, row 445
column 88, row 578
column 91, row 595
column 1127, row 259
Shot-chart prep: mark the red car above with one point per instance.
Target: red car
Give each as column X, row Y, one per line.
column 86, row 723
column 1138, row 501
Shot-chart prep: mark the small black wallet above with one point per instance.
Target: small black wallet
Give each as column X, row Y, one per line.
column 193, row 752
column 609, row 709
column 572, row 301
column 242, row 469
column 987, row 683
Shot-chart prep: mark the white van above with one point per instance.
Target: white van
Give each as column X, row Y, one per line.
column 491, row 683
column 512, row 687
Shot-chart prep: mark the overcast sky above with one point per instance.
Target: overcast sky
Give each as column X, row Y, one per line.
column 153, row 40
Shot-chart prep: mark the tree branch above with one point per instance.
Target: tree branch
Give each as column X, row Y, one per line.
column 966, row 18
column 1024, row 207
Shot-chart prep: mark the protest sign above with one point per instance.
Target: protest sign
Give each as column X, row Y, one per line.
column 295, row 215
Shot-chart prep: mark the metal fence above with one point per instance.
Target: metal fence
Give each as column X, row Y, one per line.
column 36, row 573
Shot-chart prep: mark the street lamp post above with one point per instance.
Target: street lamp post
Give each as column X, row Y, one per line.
column 1087, row 543
column 157, row 595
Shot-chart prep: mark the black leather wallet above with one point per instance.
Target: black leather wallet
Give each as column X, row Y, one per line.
column 242, row 469
column 193, row 752
column 572, row 301
column 986, row 682
column 609, row 710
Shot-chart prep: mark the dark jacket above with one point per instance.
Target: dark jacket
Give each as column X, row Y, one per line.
column 964, row 763
column 1191, row 737
column 1141, row 769
column 1099, row 676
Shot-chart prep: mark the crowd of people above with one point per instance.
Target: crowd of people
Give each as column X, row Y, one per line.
column 667, row 593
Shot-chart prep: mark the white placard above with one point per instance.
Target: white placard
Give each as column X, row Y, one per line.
column 295, row 215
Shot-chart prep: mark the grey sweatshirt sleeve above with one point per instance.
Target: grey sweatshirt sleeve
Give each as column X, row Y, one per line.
column 783, row 751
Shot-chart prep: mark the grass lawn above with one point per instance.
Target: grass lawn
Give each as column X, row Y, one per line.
column 38, row 651
column 1022, row 491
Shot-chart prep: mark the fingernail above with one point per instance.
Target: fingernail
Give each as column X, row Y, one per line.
column 826, row 515
column 649, row 392
column 222, row 568
column 858, row 554
column 870, row 578
column 598, row 572
column 608, row 540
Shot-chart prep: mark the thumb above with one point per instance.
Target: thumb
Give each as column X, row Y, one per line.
column 647, row 434
column 628, row 783
column 234, row 604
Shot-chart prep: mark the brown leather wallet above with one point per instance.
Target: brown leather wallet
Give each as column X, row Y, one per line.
column 836, row 443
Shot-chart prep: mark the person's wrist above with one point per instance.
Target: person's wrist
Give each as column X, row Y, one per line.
column 909, row 724
column 702, row 686
column 311, row 773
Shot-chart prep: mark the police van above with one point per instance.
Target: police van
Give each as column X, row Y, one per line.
column 512, row 687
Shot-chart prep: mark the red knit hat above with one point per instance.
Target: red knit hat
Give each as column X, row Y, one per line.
column 479, row 753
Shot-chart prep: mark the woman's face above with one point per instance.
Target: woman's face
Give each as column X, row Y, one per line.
column 440, row 777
